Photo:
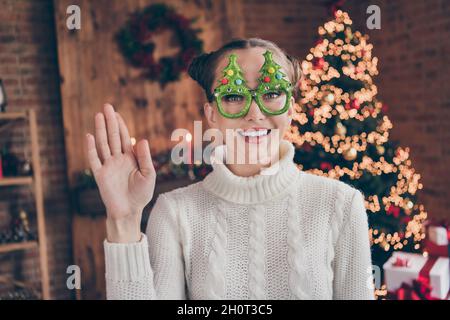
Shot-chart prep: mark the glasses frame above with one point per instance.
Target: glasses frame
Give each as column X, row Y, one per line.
column 254, row 94
column 265, row 86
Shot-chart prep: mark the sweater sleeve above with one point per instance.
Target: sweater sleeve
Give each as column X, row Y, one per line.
column 153, row 268
column 352, row 264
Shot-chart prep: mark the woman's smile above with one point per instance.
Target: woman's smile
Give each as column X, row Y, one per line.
column 254, row 135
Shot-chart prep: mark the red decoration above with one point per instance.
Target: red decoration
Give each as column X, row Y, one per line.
column 384, row 108
column 406, row 219
column 393, row 210
column 334, row 6
column 318, row 63
column 325, row 166
column 266, row 79
column 353, row 104
column 401, row 262
column 224, row 81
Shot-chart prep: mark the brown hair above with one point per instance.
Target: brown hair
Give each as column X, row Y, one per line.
column 202, row 68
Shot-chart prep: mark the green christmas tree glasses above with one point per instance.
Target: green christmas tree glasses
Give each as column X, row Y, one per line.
column 272, row 95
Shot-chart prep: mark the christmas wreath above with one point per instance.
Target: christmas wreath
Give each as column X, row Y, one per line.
column 135, row 42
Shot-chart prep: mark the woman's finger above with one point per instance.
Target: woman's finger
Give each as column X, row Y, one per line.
column 112, row 127
column 144, row 158
column 94, row 161
column 101, row 137
column 124, row 134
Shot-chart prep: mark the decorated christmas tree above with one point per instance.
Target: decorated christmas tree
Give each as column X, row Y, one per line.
column 341, row 131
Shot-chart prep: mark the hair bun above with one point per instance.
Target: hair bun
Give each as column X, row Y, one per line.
column 198, row 66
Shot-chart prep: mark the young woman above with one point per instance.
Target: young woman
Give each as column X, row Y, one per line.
column 246, row 231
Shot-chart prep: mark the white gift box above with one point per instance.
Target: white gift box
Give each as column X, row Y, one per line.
column 438, row 235
column 395, row 276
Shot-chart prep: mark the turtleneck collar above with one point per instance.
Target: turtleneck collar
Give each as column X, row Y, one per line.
column 271, row 182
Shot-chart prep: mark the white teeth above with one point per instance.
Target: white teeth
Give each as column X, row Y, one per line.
column 257, row 133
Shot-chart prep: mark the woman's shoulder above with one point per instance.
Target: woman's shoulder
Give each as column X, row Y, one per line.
column 328, row 199
column 326, row 186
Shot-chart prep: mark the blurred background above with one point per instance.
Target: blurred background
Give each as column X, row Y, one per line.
column 134, row 53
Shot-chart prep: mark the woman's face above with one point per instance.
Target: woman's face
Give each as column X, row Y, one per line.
column 250, row 60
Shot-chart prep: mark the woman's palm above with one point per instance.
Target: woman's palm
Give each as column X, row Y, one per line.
column 125, row 175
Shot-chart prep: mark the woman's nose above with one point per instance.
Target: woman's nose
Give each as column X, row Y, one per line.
column 254, row 112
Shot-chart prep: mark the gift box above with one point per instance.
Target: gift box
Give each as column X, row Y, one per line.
column 437, row 243
column 439, row 235
column 434, row 250
column 410, row 268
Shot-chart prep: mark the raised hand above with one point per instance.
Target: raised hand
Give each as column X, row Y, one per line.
column 124, row 174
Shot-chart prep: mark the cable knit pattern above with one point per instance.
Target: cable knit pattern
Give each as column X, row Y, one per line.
column 215, row 278
column 296, row 258
column 281, row 234
column 335, row 225
column 257, row 245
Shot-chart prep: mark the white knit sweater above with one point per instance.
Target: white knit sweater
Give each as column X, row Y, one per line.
column 286, row 235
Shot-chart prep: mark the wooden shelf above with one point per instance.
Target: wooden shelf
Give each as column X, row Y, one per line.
column 8, row 119
column 9, row 247
column 12, row 115
column 15, row 181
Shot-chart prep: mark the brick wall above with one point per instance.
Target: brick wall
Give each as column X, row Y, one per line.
column 413, row 48
column 28, row 66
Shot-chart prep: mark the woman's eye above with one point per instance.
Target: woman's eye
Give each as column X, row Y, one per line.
column 271, row 95
column 233, row 98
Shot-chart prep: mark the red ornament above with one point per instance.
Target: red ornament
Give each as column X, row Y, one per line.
column 224, row 81
column 393, row 210
column 319, row 41
column 266, row 79
column 384, row 108
column 318, row 63
column 354, row 104
column 325, row 166
column 406, row 220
